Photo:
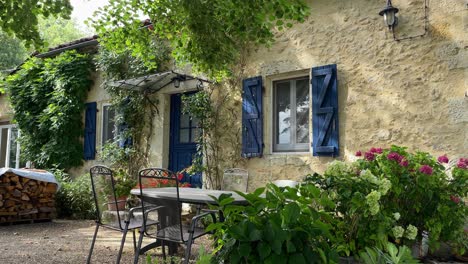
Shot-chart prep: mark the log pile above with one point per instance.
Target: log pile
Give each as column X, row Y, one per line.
column 24, row 199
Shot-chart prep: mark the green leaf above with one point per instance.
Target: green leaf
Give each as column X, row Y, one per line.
column 244, row 249
column 297, row 259
column 264, row 250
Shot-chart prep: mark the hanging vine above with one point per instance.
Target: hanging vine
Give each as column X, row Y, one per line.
column 135, row 109
column 47, row 97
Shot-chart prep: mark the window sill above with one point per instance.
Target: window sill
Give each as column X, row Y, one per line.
column 291, row 153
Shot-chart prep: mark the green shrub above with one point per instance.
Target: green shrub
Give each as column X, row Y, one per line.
column 280, row 225
column 395, row 195
column 74, row 199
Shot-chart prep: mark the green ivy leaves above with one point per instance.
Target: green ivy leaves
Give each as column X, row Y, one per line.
column 47, row 96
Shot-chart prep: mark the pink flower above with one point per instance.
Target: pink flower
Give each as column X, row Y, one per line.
column 369, row 156
column 404, row 163
column 395, row 156
column 443, row 159
column 376, row 150
column 358, row 153
column 462, row 163
column 426, row 169
column 455, row 199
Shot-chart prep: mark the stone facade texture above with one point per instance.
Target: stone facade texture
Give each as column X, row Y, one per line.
column 411, row 92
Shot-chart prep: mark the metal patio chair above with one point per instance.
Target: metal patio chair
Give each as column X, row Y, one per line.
column 103, row 185
column 171, row 231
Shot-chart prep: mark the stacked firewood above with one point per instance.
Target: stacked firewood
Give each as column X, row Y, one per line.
column 25, row 199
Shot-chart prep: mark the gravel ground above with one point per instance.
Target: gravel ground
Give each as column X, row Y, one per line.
column 65, row 241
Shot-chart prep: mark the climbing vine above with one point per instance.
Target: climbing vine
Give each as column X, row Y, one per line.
column 134, row 109
column 216, row 108
column 47, row 96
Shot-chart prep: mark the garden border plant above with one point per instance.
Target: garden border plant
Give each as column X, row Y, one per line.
column 395, row 195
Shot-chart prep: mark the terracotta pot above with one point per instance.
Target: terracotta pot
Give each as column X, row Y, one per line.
column 121, row 201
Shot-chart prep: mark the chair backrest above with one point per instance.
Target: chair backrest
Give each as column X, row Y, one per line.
column 172, row 212
column 235, row 179
column 107, row 203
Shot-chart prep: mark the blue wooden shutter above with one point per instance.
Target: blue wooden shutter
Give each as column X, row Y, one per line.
column 90, row 131
column 325, row 111
column 252, row 118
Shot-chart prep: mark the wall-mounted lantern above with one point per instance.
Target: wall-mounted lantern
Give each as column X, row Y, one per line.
column 388, row 13
column 176, row 80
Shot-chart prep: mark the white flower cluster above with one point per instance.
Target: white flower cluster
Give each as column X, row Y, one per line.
column 398, row 231
column 410, row 233
column 338, row 168
column 372, row 200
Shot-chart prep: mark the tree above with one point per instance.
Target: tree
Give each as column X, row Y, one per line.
column 12, row 52
column 55, row 31
column 210, row 35
column 20, row 17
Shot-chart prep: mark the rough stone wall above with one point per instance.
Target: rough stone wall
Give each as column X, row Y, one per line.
column 5, row 110
column 410, row 92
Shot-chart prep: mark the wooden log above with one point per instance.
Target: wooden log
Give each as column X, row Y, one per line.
column 14, row 178
column 51, row 188
column 28, row 212
column 25, row 197
column 9, row 203
column 46, row 209
column 8, row 213
column 16, row 193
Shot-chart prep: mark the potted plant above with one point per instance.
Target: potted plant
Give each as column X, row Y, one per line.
column 123, row 184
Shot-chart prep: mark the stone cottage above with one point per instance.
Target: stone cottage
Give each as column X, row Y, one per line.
column 338, row 83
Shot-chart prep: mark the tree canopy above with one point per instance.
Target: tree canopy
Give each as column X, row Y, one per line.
column 12, row 52
column 20, row 17
column 209, row 35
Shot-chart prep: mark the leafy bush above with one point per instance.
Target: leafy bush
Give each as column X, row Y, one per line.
column 286, row 225
column 392, row 255
column 394, row 195
column 74, row 199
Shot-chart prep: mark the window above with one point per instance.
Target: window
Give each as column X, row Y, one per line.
column 291, row 115
column 9, row 147
column 109, row 130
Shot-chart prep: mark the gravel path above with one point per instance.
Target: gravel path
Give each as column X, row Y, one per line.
column 62, row 241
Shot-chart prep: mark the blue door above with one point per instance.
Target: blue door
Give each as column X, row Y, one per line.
column 185, row 131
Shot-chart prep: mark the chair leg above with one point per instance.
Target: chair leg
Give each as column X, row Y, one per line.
column 134, row 241
column 122, row 244
column 92, row 244
column 140, row 240
column 189, row 248
column 163, row 249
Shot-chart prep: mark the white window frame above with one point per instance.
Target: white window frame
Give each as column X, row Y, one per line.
column 291, row 148
column 103, row 125
column 8, row 146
